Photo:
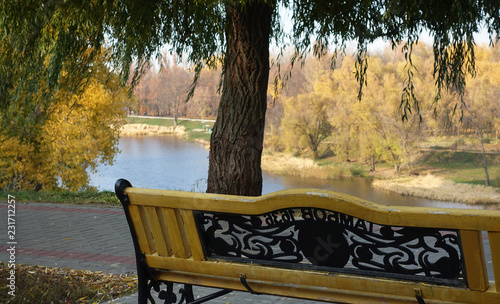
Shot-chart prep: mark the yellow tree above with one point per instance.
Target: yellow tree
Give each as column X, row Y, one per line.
column 80, row 136
column 79, row 133
column 17, row 170
column 382, row 133
column 371, row 147
column 306, row 116
column 482, row 108
column 341, row 85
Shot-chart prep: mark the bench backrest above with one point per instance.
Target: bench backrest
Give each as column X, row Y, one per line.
column 319, row 231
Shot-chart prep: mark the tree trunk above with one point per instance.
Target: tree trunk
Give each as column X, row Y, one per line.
column 485, row 162
column 396, row 165
column 176, row 112
column 238, row 133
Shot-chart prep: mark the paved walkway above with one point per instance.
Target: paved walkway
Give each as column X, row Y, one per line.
column 93, row 238
column 87, row 238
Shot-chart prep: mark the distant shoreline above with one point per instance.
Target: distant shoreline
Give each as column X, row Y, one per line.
column 429, row 186
column 438, row 188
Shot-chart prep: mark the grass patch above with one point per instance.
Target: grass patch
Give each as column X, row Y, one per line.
column 285, row 164
column 198, row 135
column 195, row 130
column 151, row 121
column 85, row 197
column 463, row 167
column 41, row 285
column 438, row 188
column 193, row 127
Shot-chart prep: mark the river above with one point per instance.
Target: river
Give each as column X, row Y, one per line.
column 168, row 162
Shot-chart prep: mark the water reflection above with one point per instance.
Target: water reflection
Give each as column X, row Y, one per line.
column 167, row 162
column 163, row 162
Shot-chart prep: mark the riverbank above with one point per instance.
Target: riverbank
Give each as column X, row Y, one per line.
column 453, row 172
column 286, row 164
column 145, row 129
column 437, row 188
column 196, row 130
column 426, row 186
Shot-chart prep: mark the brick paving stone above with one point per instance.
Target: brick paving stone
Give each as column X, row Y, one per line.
column 79, row 237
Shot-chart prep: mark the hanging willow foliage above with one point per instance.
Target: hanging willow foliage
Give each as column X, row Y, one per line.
column 51, row 44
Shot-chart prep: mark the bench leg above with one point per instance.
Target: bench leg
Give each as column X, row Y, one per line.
column 143, row 291
column 169, row 295
column 145, row 284
column 211, row 296
column 186, row 294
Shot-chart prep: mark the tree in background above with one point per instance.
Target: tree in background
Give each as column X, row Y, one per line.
column 57, row 35
column 306, row 119
column 341, row 85
column 164, row 87
column 482, row 109
column 79, row 133
column 205, row 100
column 52, row 133
column 173, row 83
column 371, row 130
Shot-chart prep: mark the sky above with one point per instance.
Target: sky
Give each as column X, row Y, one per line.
column 481, row 38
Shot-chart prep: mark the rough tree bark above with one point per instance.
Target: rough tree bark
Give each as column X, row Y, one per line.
column 238, row 133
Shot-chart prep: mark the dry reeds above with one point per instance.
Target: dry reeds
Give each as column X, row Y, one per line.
column 144, row 129
column 285, row 164
column 437, row 188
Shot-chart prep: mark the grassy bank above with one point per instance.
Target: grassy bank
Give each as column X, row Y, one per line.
column 439, row 175
column 194, row 130
column 87, row 197
column 461, row 166
column 438, row 188
column 286, row 164
column 447, row 175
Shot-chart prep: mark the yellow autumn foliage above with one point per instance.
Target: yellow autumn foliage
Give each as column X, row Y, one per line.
column 80, row 133
column 15, row 164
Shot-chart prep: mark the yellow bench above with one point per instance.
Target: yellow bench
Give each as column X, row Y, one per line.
column 311, row 244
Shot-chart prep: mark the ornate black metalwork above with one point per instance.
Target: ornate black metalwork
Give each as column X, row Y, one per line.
column 333, row 241
column 168, row 295
column 186, row 294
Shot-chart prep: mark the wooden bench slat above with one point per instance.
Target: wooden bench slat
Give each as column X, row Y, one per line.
column 494, row 238
column 157, row 230
column 164, row 227
column 142, row 230
column 192, row 235
column 180, row 244
column 475, row 262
